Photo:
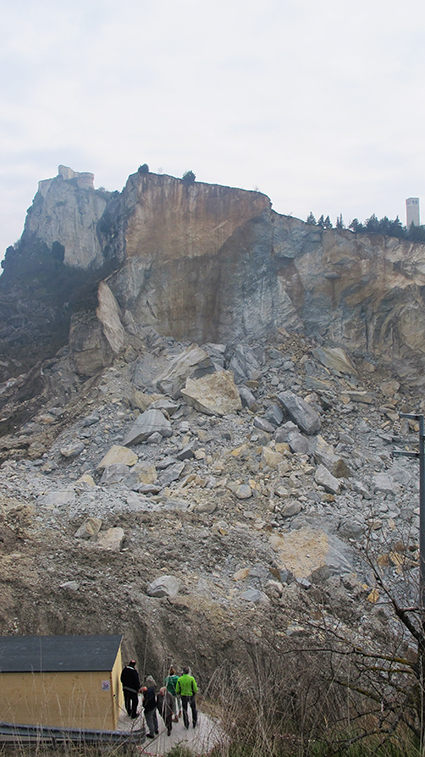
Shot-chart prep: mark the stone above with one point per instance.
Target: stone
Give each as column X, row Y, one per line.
column 335, row 359
column 72, row 450
column 146, row 424
column 188, row 451
column 263, row 425
column 172, row 473
column 254, row 595
column 165, row 405
column 89, row 528
column 87, row 479
column 389, row 388
column 306, row 551
column 214, row 394
column 243, row 491
column 142, row 401
column 300, row 412
column 193, row 363
column 108, row 313
column 298, row 443
column 359, row 487
column 70, row 585
column 270, row 457
column 118, row 454
column 164, row 586
column 290, row 509
column 111, row 540
column 154, row 438
column 325, row 454
column 143, row 472
column 247, row 398
column 383, row 483
column 324, row 478
column 274, row 415
column 114, row 474
column 58, row 498
column 244, row 364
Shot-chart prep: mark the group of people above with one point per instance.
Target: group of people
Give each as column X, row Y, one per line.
column 173, row 698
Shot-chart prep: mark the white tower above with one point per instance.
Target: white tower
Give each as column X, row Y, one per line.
column 412, row 212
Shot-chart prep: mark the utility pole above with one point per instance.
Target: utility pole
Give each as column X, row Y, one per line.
column 421, row 645
column 421, row 456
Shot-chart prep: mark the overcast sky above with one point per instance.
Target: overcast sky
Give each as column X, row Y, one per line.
column 318, row 104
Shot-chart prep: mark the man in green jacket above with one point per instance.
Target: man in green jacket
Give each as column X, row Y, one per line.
column 186, row 688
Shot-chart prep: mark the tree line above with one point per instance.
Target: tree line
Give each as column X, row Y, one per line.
column 373, row 225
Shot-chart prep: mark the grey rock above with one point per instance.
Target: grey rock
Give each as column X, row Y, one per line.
column 164, row 586
column 70, row 585
column 72, row 450
column 383, row 483
column 358, row 487
column 114, row 474
column 247, row 398
column 89, row 528
column 188, row 451
column 291, row 509
column 58, row 498
column 192, row 363
column 147, row 424
column 243, row 491
column 274, row 415
column 254, row 595
column 300, row 412
column 244, row 364
column 264, row 425
column 298, row 443
column 165, row 405
column 155, row 438
column 172, row 473
column 324, row 478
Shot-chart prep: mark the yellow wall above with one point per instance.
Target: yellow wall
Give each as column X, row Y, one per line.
column 68, row 699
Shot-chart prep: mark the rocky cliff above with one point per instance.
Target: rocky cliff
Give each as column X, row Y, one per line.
column 204, row 263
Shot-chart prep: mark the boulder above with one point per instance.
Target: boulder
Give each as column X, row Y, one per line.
column 300, row 412
column 214, row 394
column 193, row 363
column 335, row 359
column 164, row 586
column 116, row 455
column 325, row 454
column 324, row 478
column 247, row 398
column 58, row 498
column 72, row 450
column 114, row 474
column 111, row 539
column 147, row 424
column 89, row 528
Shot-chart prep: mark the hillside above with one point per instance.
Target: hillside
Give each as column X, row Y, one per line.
column 204, row 461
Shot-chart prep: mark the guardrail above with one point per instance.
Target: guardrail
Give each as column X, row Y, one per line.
column 22, row 732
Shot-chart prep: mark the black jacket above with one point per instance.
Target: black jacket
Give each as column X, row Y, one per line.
column 130, row 679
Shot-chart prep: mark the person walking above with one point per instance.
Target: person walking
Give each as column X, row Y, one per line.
column 165, row 706
column 170, row 683
column 131, row 686
column 186, row 687
column 149, row 707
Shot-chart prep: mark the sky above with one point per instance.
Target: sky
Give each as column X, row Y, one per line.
column 319, row 105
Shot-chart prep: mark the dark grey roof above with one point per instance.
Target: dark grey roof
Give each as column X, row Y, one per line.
column 22, row 654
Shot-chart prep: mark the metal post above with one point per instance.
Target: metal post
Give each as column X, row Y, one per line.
column 421, row 514
column 421, row 455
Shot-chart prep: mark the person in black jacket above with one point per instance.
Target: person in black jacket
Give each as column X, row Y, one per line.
column 149, row 706
column 131, row 686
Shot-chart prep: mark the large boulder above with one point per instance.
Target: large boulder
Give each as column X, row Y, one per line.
column 146, row 424
column 194, row 362
column 215, row 394
column 300, row 412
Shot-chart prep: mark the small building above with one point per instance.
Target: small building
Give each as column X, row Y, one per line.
column 412, row 212
column 62, row 681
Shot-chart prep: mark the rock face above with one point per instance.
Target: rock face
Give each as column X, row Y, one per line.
column 67, row 209
column 209, row 264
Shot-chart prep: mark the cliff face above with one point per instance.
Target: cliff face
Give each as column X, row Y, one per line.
column 66, row 210
column 214, row 264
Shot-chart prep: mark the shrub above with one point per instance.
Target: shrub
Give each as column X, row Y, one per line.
column 188, row 178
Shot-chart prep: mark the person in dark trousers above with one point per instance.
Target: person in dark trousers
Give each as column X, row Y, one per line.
column 186, row 688
column 170, row 682
column 165, row 706
column 131, row 686
column 149, row 706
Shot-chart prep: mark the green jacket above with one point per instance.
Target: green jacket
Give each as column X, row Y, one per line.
column 171, row 682
column 186, row 686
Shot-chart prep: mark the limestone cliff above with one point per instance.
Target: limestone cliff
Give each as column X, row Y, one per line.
column 210, row 264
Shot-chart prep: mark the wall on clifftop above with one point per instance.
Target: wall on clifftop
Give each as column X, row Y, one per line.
column 67, row 209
